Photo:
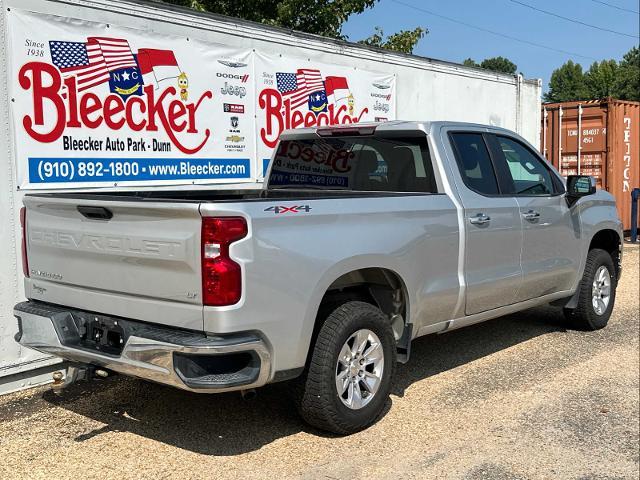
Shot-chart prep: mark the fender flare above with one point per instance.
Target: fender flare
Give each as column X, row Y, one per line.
column 573, row 301
column 330, row 276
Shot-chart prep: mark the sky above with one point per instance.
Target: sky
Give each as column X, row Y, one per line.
column 454, row 42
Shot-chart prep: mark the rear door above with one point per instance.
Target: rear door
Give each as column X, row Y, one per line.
column 550, row 230
column 493, row 226
column 130, row 258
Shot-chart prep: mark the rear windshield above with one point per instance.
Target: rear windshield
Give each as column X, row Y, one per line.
column 366, row 164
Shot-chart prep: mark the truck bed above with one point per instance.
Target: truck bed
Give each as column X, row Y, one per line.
column 242, row 195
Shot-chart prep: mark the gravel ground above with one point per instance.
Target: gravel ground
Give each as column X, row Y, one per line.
column 517, row 397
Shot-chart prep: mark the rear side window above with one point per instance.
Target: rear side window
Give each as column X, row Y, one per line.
column 474, row 163
column 367, row 164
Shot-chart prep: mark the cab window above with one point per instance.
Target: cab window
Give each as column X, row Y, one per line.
column 475, row 163
column 529, row 173
column 359, row 163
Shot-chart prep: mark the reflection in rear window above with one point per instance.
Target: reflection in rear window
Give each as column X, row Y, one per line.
column 354, row 164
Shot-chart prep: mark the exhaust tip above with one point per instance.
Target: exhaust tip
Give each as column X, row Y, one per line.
column 249, row 394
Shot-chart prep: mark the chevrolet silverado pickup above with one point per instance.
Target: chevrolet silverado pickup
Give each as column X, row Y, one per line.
column 362, row 238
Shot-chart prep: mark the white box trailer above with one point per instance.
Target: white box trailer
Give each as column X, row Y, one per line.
column 116, row 94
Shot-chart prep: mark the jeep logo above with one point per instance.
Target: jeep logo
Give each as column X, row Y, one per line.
column 233, row 90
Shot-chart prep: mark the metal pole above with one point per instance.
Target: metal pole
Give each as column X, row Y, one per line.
column 544, row 133
column 635, row 194
column 560, row 138
column 579, row 134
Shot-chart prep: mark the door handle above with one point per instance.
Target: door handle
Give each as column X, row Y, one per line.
column 531, row 215
column 480, row 219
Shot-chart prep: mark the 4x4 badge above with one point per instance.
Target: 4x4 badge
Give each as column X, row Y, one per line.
column 277, row 209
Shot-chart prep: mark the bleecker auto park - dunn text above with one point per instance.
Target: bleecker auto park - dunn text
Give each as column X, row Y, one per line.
column 113, row 145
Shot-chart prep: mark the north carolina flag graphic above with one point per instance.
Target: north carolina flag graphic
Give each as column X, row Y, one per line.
column 158, row 64
column 338, row 87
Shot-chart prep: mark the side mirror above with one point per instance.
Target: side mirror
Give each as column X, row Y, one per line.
column 579, row 186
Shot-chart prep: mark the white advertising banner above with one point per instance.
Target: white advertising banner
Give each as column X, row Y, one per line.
column 100, row 105
column 96, row 104
column 294, row 93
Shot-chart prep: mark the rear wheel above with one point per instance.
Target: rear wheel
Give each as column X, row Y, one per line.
column 348, row 380
column 597, row 293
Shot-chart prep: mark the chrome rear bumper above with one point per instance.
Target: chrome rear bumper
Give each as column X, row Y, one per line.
column 182, row 359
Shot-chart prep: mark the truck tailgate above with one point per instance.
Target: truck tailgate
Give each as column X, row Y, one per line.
column 134, row 259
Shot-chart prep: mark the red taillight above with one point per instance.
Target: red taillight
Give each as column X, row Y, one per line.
column 221, row 276
column 23, row 226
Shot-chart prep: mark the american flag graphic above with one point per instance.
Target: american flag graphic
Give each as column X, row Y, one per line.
column 82, row 60
column 92, row 61
column 298, row 86
column 116, row 52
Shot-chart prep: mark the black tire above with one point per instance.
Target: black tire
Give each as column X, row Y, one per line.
column 317, row 397
column 584, row 316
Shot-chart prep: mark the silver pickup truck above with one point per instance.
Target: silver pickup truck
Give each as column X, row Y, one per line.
column 363, row 238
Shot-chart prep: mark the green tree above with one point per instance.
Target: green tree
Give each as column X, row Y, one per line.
column 403, row 41
column 600, row 79
column 322, row 17
column 499, row 64
column 627, row 84
column 567, row 83
column 495, row 64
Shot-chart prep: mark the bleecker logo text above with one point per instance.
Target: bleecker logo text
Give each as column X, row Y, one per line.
column 280, row 115
column 149, row 112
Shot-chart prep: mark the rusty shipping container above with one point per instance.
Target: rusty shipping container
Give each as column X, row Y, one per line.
column 599, row 138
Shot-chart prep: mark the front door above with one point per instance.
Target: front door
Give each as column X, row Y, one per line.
column 493, row 227
column 550, row 249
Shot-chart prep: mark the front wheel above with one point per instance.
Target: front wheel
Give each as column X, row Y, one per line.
column 597, row 293
column 348, row 380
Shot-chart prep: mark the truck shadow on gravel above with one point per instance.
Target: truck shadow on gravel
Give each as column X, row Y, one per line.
column 435, row 354
column 224, row 424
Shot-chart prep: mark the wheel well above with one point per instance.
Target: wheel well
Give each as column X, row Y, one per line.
column 378, row 286
column 609, row 241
